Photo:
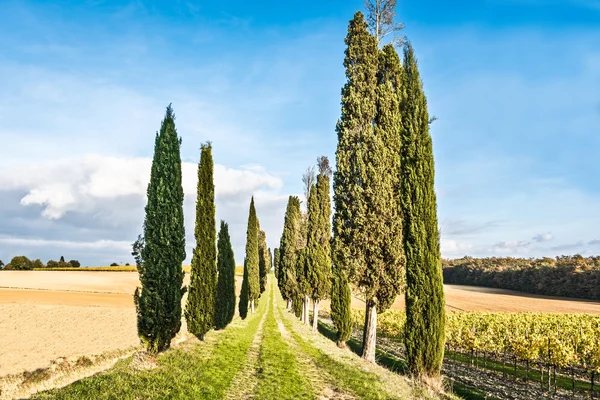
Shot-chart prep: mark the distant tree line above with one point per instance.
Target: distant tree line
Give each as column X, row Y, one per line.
column 22, row 263
column 567, row 276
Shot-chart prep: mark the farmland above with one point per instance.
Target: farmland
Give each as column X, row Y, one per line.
column 250, row 358
column 59, row 300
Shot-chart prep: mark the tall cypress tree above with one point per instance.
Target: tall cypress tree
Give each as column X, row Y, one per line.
column 263, row 259
column 161, row 250
column 341, row 313
column 276, row 264
column 425, row 314
column 251, row 272
column 243, row 304
column 288, row 250
column 200, row 308
column 368, row 229
column 382, row 274
column 318, row 245
column 302, row 266
column 225, row 303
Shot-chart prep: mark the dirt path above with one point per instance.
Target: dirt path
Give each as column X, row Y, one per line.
column 322, row 382
column 245, row 381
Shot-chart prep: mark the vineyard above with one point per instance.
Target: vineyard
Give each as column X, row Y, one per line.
column 558, row 351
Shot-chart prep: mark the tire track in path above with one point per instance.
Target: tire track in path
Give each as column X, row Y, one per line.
column 245, row 381
column 322, row 382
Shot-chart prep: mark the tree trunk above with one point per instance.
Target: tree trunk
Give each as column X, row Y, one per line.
column 289, row 304
column 315, row 315
column 370, row 333
column 306, row 308
column 252, row 306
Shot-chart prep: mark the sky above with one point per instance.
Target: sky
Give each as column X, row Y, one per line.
column 515, row 85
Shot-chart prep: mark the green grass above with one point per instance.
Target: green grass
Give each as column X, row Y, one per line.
column 363, row 384
column 278, row 370
column 398, row 365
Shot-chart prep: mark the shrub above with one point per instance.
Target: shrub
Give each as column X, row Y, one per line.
column 52, row 264
column 37, row 264
column 20, row 263
column 114, row 265
column 75, row 263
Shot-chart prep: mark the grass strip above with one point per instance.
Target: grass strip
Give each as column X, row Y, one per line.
column 279, row 375
column 362, row 384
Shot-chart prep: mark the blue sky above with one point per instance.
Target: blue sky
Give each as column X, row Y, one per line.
column 515, row 85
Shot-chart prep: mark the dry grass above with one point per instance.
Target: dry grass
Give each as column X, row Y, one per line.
column 59, row 373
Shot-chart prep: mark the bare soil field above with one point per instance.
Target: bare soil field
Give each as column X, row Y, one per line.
column 473, row 298
column 45, row 315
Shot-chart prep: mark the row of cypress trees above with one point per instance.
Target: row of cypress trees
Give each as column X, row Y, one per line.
column 385, row 231
column 303, row 259
column 257, row 264
column 160, row 251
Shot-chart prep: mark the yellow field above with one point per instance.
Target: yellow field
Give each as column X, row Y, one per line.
column 121, row 268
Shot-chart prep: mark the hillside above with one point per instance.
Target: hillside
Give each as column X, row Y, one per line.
column 565, row 276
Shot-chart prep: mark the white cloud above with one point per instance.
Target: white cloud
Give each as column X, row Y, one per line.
column 511, row 247
column 103, row 197
column 453, row 248
column 79, row 184
column 543, row 237
column 66, row 244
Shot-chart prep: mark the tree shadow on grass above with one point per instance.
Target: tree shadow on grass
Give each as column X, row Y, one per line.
column 390, row 362
column 399, row 366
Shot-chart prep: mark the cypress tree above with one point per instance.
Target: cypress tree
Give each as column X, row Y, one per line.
column 251, row 261
column 288, row 250
column 243, row 304
column 225, row 304
column 318, row 245
column 425, row 314
column 368, row 230
column 263, row 260
column 341, row 313
column 200, row 308
column 297, row 305
column 161, row 250
column 276, row 264
column 302, row 283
